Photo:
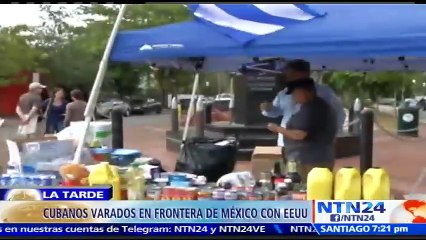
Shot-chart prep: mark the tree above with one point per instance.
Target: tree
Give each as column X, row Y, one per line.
column 136, row 17
column 371, row 85
column 16, row 54
column 125, row 78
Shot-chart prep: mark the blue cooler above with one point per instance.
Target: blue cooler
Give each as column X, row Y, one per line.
column 124, row 157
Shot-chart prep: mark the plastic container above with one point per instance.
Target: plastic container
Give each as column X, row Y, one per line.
column 98, row 134
column 135, row 183
column 124, row 157
column 375, row 184
column 101, row 154
column 106, row 174
column 347, row 184
column 320, row 184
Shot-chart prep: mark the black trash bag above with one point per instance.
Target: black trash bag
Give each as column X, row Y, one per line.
column 201, row 156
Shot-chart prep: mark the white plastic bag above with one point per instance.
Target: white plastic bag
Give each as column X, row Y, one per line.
column 244, row 179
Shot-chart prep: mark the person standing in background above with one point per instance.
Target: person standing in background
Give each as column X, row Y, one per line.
column 75, row 109
column 29, row 109
column 309, row 133
column 285, row 106
column 54, row 111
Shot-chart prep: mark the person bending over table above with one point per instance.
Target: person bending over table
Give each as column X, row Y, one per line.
column 309, row 133
column 284, row 105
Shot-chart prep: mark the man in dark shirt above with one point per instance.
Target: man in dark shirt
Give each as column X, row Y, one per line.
column 309, row 133
column 75, row 109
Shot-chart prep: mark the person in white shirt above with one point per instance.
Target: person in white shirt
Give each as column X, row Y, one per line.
column 284, row 105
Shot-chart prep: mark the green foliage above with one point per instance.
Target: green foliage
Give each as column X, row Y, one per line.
column 17, row 54
column 372, row 85
column 88, row 44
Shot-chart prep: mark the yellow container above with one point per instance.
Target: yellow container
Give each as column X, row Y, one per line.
column 320, row 184
column 347, row 184
column 376, row 184
column 105, row 174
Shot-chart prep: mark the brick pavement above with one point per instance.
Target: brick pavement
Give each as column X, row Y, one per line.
column 403, row 159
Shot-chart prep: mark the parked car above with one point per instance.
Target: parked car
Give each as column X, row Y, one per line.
column 410, row 102
column 142, row 106
column 105, row 107
column 224, row 96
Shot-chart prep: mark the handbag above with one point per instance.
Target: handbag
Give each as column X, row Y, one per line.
column 44, row 116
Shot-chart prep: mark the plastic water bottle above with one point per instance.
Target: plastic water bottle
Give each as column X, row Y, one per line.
column 36, row 181
column 5, row 180
column 16, row 180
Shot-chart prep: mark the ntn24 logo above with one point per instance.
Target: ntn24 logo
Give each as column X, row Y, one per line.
column 350, row 207
column 352, row 218
column 408, row 211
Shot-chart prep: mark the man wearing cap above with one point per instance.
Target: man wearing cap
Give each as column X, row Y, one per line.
column 309, row 133
column 285, row 106
column 28, row 109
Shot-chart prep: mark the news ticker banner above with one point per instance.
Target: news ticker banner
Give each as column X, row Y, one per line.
column 206, row 229
column 54, row 218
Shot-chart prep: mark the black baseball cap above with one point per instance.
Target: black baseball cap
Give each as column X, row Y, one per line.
column 298, row 65
column 305, row 83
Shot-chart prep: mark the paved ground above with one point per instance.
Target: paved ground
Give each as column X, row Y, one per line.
column 404, row 159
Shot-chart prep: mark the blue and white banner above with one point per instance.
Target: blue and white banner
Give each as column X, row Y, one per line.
column 245, row 22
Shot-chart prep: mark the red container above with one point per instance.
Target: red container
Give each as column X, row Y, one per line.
column 71, row 183
column 101, row 154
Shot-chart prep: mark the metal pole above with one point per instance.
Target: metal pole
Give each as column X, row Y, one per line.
column 175, row 115
column 351, row 117
column 200, row 118
column 191, row 106
column 231, row 109
column 232, row 100
column 208, row 113
column 98, row 83
column 357, row 115
column 366, row 140
column 117, row 129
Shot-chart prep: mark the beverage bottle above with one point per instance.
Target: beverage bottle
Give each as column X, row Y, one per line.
column 135, row 182
column 276, row 176
column 265, row 181
column 96, row 143
column 292, row 172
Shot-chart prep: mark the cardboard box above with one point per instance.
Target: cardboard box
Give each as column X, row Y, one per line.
column 264, row 158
